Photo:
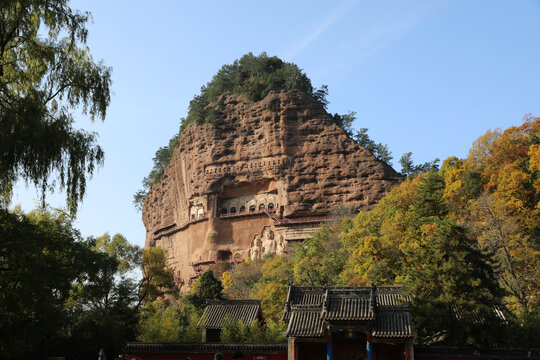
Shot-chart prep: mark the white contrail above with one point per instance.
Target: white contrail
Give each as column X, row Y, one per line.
column 377, row 27
column 327, row 22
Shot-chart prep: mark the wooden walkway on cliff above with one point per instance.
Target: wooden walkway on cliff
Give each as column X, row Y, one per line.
column 174, row 228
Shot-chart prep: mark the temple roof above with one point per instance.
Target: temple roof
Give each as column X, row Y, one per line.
column 393, row 324
column 217, row 310
column 305, row 322
column 386, row 310
column 182, row 348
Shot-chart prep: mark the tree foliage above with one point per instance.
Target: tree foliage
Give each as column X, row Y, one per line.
column 46, row 73
column 379, row 150
column 158, row 278
column 161, row 159
column 407, row 240
column 103, row 307
column 265, row 279
column 253, row 76
column 254, row 332
column 239, row 282
column 409, row 169
column 272, row 287
column 206, row 287
column 163, row 322
column 319, row 260
column 361, row 137
column 40, row 256
column 505, row 218
column 61, row 294
column 462, row 239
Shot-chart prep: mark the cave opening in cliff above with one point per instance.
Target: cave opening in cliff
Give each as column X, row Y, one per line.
column 224, row 255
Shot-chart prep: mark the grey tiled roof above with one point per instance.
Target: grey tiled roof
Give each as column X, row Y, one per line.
column 348, row 308
column 303, row 295
column 393, row 324
column 391, row 296
column 385, row 309
column 210, row 348
column 305, row 322
column 217, row 310
column 494, row 314
column 308, row 295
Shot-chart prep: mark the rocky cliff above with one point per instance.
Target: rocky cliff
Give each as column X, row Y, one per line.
column 263, row 177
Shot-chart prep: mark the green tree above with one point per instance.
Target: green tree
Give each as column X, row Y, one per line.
column 161, row 159
column 429, row 202
column 453, row 284
column 408, row 240
column 409, row 169
column 41, row 254
column 239, row 282
column 159, row 322
column 206, row 287
column 128, row 256
column 158, row 278
column 275, row 331
column 319, row 260
column 45, row 73
column 272, row 287
column 345, row 121
column 103, row 304
column 407, row 165
column 379, row 150
column 233, row 330
column 253, row 76
column 164, row 322
column 60, row 294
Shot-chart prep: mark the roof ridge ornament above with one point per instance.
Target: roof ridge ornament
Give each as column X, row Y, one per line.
column 325, row 303
column 372, row 299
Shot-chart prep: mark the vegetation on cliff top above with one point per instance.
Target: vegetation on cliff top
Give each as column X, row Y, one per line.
column 254, row 77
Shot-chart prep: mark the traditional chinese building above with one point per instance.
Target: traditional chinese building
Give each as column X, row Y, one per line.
column 372, row 323
column 217, row 312
column 348, row 323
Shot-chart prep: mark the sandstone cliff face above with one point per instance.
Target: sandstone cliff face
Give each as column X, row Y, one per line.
column 265, row 176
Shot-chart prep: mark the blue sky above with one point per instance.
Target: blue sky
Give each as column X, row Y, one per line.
column 423, row 76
